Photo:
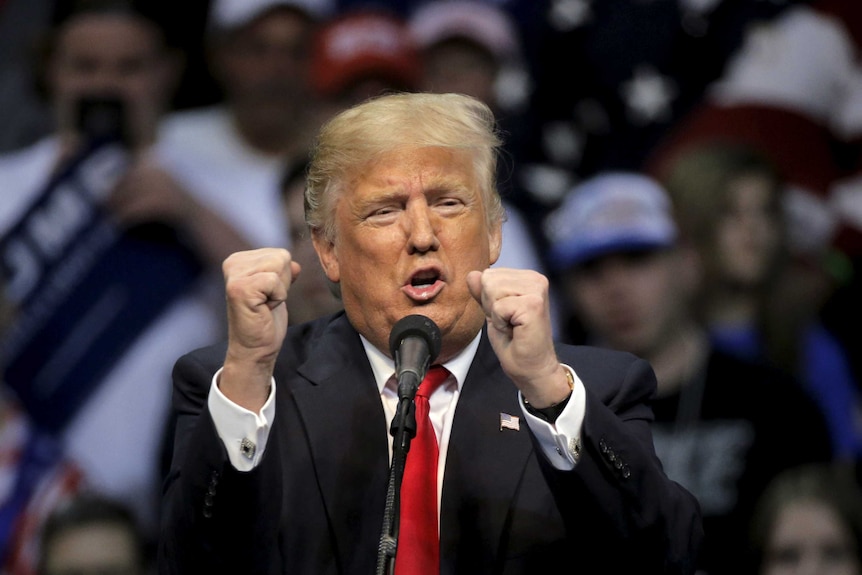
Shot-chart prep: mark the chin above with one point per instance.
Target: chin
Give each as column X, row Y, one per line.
column 462, row 327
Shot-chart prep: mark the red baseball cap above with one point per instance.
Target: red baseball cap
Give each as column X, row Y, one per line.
column 364, row 44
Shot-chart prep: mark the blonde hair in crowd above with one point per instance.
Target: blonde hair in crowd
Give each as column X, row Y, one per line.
column 356, row 136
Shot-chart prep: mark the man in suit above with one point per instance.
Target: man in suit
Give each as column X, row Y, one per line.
column 281, row 460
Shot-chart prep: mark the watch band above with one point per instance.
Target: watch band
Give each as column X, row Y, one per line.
column 552, row 412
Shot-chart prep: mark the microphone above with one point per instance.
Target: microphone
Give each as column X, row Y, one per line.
column 414, row 343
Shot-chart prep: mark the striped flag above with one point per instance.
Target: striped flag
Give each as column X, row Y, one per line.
column 509, row 422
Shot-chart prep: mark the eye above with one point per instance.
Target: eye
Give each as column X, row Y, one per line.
column 382, row 215
column 837, row 554
column 449, row 205
column 786, row 556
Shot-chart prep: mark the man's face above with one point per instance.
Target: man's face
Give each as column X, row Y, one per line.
column 460, row 67
column 102, row 547
column 110, row 55
column 263, row 66
column 631, row 301
column 408, row 230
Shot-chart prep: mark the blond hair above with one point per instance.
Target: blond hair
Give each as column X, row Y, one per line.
column 356, row 136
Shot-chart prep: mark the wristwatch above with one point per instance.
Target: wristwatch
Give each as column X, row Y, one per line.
column 552, row 412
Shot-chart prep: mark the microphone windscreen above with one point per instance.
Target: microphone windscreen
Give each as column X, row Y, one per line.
column 416, row 325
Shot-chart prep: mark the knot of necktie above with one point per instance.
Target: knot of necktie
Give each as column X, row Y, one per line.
column 435, row 377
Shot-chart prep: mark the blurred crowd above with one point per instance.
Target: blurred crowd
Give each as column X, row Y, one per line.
column 687, row 173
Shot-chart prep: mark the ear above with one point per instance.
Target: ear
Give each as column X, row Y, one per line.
column 327, row 254
column 495, row 241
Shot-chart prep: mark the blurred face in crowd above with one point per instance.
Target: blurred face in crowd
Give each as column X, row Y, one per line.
column 808, row 538
column 632, row 301
column 111, row 55
column 408, row 231
column 310, row 293
column 461, row 67
column 102, row 548
column 263, row 69
column 749, row 230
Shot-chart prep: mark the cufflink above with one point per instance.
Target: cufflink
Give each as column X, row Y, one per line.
column 575, row 448
column 247, row 448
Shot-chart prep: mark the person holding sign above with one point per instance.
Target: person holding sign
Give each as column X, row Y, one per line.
column 107, row 260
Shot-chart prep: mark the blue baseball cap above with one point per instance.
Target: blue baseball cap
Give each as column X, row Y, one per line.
column 613, row 212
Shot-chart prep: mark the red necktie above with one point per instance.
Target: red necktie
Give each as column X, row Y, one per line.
column 418, row 551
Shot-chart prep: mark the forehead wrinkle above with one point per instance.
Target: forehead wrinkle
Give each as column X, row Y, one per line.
column 424, row 178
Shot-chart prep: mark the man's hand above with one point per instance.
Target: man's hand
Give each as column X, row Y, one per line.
column 256, row 287
column 517, row 307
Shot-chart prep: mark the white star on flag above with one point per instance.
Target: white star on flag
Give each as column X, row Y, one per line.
column 648, row 96
column 509, row 422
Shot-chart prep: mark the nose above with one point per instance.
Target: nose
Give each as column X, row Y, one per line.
column 282, row 60
column 615, row 276
column 421, row 231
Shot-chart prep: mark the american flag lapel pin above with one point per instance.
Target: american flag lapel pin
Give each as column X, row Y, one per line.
column 509, row 422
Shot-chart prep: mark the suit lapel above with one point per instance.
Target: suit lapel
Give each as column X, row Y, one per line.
column 347, row 436
column 348, row 439
column 483, row 465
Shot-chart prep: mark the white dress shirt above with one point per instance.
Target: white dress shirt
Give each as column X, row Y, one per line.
column 236, row 424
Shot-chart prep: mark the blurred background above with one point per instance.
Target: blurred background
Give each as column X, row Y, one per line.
column 686, row 172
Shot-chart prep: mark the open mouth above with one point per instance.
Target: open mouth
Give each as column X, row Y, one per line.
column 424, row 285
column 424, row 278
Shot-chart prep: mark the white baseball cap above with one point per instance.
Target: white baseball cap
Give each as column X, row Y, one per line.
column 612, row 212
column 486, row 24
column 232, row 14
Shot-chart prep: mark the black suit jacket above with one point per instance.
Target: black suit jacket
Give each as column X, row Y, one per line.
column 315, row 503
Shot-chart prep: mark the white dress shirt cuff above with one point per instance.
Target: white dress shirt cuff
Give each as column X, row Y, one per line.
column 561, row 441
column 243, row 432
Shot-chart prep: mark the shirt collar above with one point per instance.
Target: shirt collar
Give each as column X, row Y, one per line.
column 384, row 367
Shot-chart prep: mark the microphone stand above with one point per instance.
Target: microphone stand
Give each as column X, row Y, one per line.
column 403, row 430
